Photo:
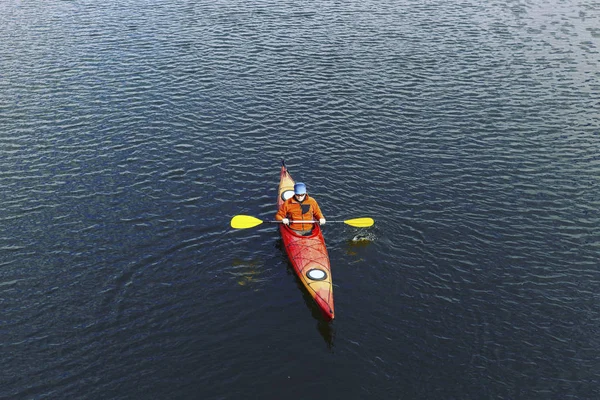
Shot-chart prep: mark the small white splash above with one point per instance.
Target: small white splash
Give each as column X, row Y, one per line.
column 364, row 237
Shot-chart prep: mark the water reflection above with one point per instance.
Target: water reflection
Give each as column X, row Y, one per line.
column 246, row 273
column 327, row 331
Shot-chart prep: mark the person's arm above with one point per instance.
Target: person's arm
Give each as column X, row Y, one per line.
column 282, row 214
column 317, row 211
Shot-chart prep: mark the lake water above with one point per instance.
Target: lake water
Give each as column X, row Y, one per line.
column 132, row 131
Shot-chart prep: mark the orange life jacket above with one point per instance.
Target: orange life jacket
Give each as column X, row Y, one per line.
column 307, row 210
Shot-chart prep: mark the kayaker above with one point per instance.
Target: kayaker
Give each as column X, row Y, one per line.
column 300, row 207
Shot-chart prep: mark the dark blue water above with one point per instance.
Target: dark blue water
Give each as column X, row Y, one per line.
column 132, row 131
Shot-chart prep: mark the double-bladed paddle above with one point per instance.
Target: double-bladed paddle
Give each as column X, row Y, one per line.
column 247, row 221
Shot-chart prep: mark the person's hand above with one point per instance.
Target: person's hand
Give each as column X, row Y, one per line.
column 286, row 221
column 322, row 221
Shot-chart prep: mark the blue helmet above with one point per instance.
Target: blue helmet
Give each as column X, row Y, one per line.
column 300, row 188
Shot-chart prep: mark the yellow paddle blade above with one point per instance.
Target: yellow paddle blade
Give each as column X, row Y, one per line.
column 244, row 221
column 360, row 222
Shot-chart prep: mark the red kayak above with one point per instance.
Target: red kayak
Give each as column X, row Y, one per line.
column 307, row 254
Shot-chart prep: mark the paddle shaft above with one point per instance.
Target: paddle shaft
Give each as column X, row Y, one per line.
column 298, row 222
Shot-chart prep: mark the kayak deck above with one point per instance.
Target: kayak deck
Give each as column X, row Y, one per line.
column 308, row 254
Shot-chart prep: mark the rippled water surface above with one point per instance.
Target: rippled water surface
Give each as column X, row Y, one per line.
column 132, row 131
